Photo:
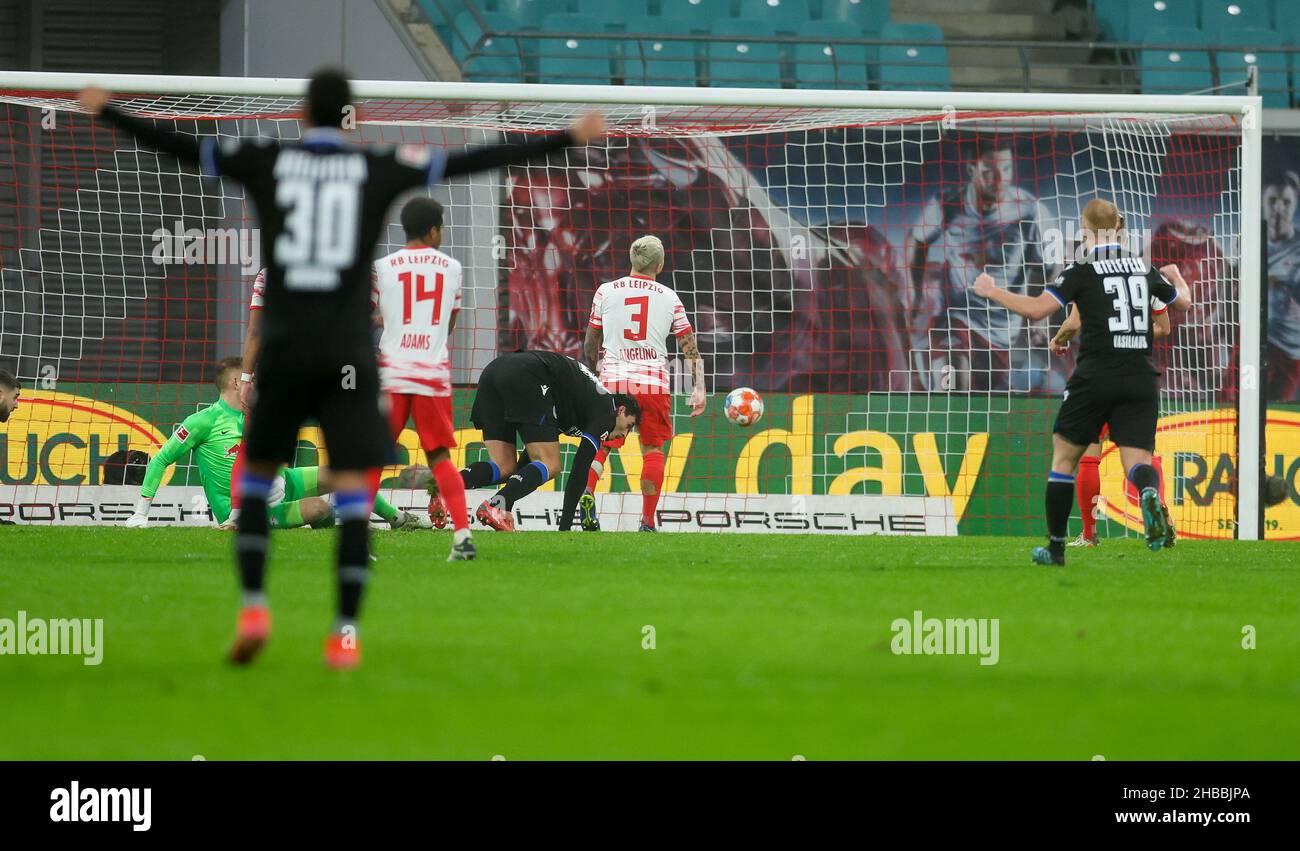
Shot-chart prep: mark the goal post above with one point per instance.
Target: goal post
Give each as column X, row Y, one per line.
column 822, row 241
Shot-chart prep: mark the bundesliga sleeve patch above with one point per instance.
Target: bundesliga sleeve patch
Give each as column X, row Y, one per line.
column 182, row 433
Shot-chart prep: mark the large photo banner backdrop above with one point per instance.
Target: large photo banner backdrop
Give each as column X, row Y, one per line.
column 828, row 269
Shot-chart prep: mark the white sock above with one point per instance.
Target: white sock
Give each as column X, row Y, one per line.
column 460, row 536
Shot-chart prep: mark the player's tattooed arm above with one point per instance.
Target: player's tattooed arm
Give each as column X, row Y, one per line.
column 690, row 350
column 591, row 346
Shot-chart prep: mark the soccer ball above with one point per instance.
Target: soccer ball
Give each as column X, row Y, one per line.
column 744, row 406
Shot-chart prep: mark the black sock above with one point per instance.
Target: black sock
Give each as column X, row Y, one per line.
column 1144, row 476
column 524, row 481
column 353, row 511
column 353, row 567
column 480, row 474
column 1059, row 503
column 253, row 537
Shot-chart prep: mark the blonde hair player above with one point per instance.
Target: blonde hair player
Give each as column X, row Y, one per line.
column 631, row 320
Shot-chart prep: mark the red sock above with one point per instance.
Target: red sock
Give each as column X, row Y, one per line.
column 652, row 470
column 597, row 468
column 236, row 471
column 1160, row 471
column 373, row 476
column 1088, row 487
column 452, row 490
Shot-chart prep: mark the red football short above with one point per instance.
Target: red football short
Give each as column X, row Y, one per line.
column 433, row 419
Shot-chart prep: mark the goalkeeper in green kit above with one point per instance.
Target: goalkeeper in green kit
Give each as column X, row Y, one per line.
column 214, row 435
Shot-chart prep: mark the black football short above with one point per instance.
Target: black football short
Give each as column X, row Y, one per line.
column 514, row 399
column 338, row 389
column 1129, row 405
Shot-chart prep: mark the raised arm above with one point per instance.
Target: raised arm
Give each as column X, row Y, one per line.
column 585, row 130
column 1175, row 277
column 96, row 102
column 1040, row 306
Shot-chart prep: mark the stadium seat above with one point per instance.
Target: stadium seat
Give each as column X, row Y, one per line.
column 573, row 60
column 614, row 15
column 1145, row 15
column 1112, row 19
column 648, row 62
column 916, row 66
column 825, row 66
column 1179, row 71
column 1272, row 67
column 781, row 15
column 699, row 15
column 1286, row 20
column 497, row 60
column 1217, row 16
column 734, row 60
column 869, row 16
column 528, row 14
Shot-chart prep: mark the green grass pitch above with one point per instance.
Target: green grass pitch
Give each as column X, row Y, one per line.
column 766, row 647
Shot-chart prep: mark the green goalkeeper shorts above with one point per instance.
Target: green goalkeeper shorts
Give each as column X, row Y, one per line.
column 299, row 483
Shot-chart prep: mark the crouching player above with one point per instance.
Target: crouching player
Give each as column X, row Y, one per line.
column 215, row 435
column 632, row 319
column 417, row 298
column 533, row 397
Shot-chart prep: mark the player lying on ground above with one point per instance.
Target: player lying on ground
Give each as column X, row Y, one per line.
column 632, row 319
column 1088, row 480
column 1114, row 382
column 533, row 397
column 321, row 204
column 214, row 435
column 10, row 390
column 417, row 299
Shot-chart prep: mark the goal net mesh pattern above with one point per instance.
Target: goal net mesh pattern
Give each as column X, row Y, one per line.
column 823, row 255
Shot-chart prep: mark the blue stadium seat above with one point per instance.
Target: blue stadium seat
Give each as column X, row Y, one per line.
column 1112, row 19
column 734, row 60
column 498, row 60
column 868, row 16
column 699, row 15
column 1272, row 67
column 781, row 15
column 1220, row 15
column 570, row 59
column 650, row 62
column 528, row 14
column 614, row 15
column 1177, row 71
column 1286, row 20
column 1143, row 15
column 825, row 66
column 916, row 66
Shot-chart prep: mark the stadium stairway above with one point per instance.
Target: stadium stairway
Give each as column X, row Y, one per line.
column 995, row 20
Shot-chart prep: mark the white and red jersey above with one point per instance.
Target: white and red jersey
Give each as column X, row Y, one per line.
column 636, row 315
column 416, row 291
column 259, row 291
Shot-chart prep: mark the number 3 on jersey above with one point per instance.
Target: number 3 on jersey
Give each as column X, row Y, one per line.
column 320, row 232
column 1132, row 304
column 640, row 313
column 413, row 291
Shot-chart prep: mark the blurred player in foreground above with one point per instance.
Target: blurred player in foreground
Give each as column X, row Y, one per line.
column 417, row 299
column 631, row 320
column 321, row 204
column 1114, row 381
column 1088, row 483
column 533, row 397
